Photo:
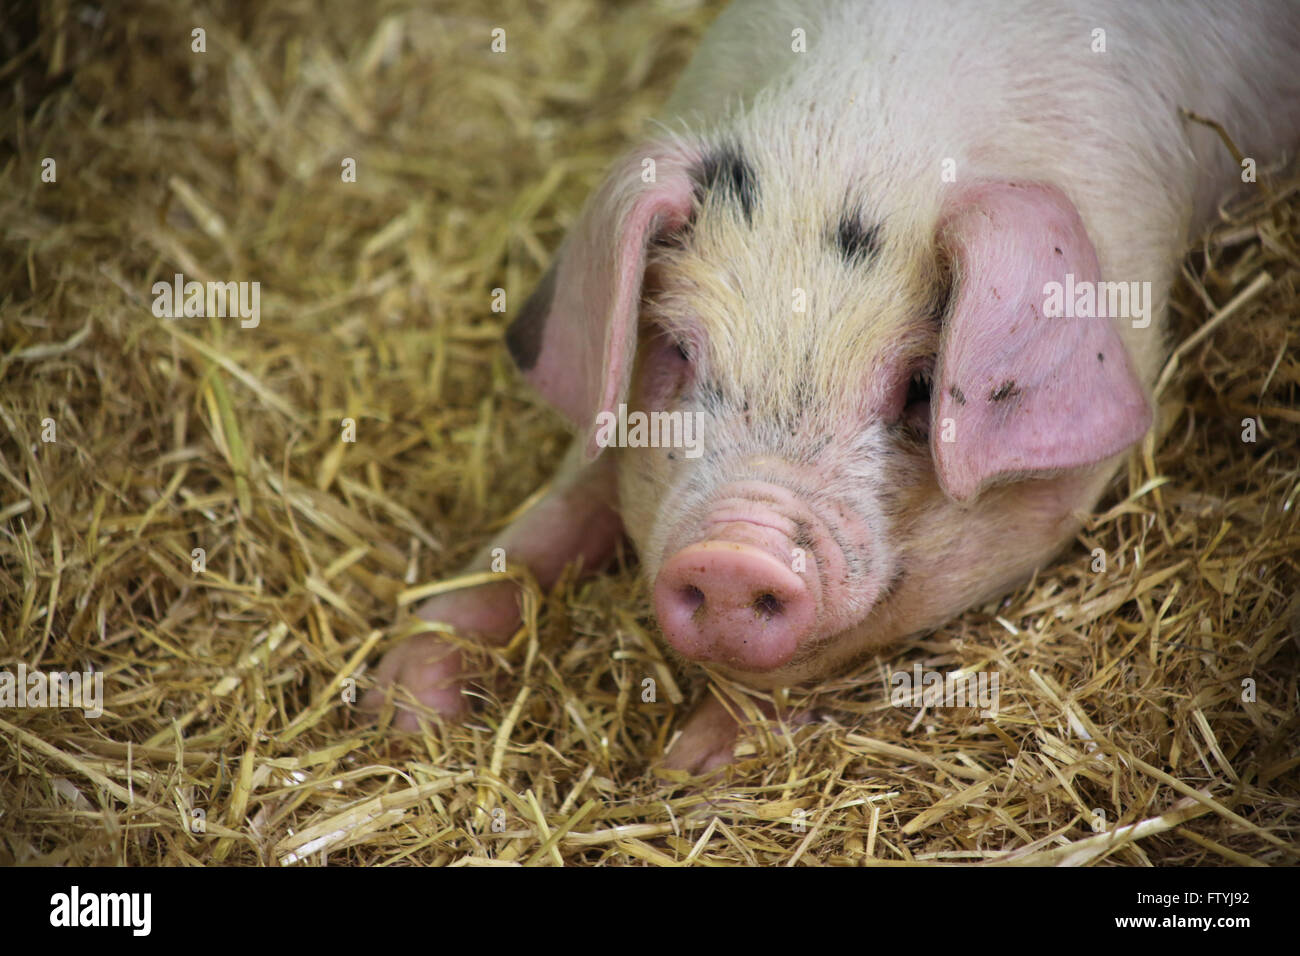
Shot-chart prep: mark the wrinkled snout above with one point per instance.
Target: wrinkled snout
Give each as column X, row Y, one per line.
column 750, row 586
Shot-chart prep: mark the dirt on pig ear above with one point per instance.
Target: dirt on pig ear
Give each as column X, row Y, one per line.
column 1019, row 393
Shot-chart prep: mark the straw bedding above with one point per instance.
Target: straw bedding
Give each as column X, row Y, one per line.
column 1124, row 733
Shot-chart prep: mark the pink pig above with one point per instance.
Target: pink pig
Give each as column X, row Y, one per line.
column 900, row 265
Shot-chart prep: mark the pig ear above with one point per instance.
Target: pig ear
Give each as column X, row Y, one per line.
column 575, row 338
column 1021, row 392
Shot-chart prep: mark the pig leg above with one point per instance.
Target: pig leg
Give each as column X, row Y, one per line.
column 707, row 741
column 576, row 520
column 708, row 738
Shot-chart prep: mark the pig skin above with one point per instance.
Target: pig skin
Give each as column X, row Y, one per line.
column 823, row 171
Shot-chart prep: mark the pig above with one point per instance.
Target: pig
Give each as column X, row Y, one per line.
column 856, row 250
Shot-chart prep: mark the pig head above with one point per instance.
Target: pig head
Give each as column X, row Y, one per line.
column 891, row 427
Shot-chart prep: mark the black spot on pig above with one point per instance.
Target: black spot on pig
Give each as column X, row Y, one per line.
column 857, row 243
column 524, row 336
column 727, row 173
column 1100, row 357
column 1004, row 391
column 957, row 395
column 1058, row 251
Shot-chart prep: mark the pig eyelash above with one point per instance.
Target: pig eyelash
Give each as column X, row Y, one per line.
column 916, row 406
column 918, row 387
column 916, row 403
column 672, row 340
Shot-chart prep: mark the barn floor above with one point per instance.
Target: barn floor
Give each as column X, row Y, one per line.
column 1149, row 715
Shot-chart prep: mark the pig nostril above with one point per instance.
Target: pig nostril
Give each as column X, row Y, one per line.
column 768, row 605
column 692, row 598
column 734, row 603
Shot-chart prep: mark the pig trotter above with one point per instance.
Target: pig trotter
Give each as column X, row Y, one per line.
column 575, row 521
column 707, row 742
column 431, row 668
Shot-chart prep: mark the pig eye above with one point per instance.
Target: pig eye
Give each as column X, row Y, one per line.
column 916, row 409
column 667, row 369
column 918, row 388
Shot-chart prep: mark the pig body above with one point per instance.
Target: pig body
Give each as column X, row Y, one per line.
column 842, row 253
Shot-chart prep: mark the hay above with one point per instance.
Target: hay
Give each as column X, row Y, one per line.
column 1120, row 692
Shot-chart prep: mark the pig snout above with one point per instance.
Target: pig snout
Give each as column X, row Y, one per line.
column 733, row 603
column 763, row 577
